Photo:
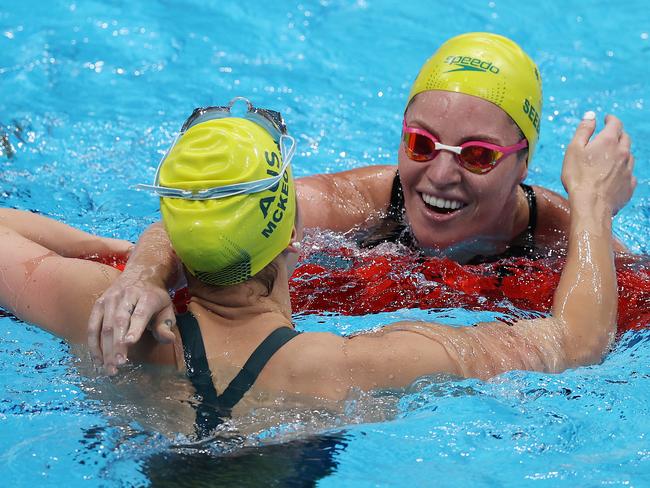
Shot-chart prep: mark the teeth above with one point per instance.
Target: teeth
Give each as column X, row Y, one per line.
column 441, row 202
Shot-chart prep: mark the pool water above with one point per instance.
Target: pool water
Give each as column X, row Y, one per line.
column 91, row 94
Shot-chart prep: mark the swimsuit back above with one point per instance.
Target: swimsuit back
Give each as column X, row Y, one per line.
column 213, row 408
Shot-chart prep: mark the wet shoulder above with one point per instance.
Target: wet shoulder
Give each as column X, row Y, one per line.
column 344, row 200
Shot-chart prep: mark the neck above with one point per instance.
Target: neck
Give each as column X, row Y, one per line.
column 245, row 301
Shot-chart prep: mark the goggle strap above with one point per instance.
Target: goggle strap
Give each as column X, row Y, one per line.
column 228, row 190
column 287, row 154
column 155, row 177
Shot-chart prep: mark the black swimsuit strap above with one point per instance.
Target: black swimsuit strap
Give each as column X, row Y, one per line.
column 208, row 413
column 253, row 367
column 196, row 361
column 396, row 205
column 532, row 213
column 213, row 407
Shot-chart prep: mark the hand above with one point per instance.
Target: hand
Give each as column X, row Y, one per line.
column 122, row 313
column 601, row 167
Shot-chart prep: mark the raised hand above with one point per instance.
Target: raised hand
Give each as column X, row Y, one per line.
column 600, row 167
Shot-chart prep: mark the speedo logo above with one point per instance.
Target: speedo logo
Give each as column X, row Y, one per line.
column 467, row 63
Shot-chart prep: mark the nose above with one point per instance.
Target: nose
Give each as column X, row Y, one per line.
column 443, row 170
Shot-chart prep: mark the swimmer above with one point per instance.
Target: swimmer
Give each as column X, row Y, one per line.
column 228, row 204
column 469, row 132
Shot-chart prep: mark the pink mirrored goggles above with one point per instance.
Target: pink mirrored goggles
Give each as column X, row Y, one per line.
column 475, row 156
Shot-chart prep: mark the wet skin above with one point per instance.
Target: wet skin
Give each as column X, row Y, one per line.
column 491, row 211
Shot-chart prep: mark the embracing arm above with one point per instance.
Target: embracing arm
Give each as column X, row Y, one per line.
column 598, row 178
column 137, row 298
column 43, row 283
column 578, row 332
column 39, row 284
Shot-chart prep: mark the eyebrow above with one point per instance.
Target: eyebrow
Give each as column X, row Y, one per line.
column 473, row 137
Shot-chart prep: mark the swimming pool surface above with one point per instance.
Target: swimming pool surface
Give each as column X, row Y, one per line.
column 91, row 94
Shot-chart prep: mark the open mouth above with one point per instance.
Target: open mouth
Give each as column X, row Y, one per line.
column 441, row 205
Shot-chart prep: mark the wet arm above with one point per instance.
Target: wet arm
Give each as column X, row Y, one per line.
column 578, row 332
column 554, row 221
column 56, row 236
column 153, row 260
column 44, row 288
column 586, row 299
column 342, row 201
column 598, row 177
column 54, row 292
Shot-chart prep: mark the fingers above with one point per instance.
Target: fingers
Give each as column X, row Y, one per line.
column 585, row 129
column 152, row 305
column 630, row 162
column 121, row 315
column 613, row 125
column 107, row 341
column 625, row 141
column 633, row 181
column 142, row 315
column 117, row 317
column 101, row 333
column 122, row 318
column 162, row 327
column 600, row 163
column 94, row 330
column 613, row 136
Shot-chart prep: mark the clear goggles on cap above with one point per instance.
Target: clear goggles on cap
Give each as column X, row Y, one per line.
column 270, row 120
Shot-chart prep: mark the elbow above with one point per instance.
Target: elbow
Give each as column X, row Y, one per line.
column 577, row 358
column 587, row 349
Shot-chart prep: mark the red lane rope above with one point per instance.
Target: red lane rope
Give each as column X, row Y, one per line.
column 382, row 283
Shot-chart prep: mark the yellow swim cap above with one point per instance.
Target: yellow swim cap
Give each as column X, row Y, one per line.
column 226, row 241
column 490, row 67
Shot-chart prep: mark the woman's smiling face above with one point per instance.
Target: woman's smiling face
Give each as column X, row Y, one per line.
column 446, row 205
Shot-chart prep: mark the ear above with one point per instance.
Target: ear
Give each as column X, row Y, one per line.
column 524, row 170
column 294, row 243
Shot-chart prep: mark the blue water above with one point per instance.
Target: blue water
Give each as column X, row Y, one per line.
column 91, row 94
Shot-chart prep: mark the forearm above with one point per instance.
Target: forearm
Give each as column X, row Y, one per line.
column 554, row 221
column 56, row 236
column 153, row 259
column 585, row 301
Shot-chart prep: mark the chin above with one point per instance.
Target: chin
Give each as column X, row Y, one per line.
column 436, row 242
column 464, row 248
